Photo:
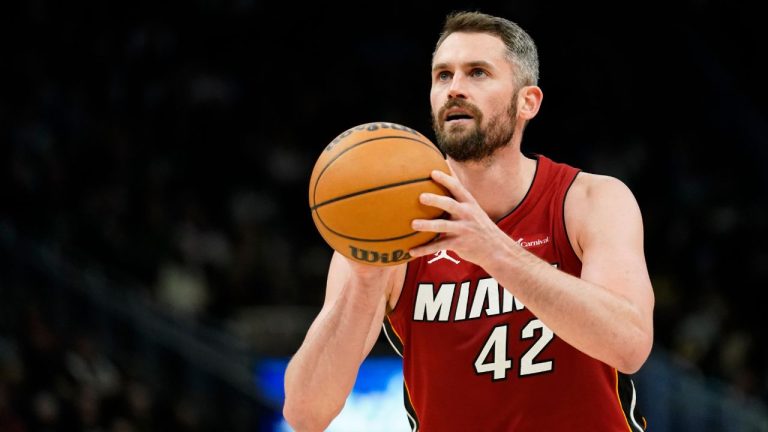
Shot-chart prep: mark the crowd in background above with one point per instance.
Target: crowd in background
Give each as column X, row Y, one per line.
column 56, row 382
column 172, row 152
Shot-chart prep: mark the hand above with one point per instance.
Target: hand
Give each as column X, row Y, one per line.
column 367, row 273
column 469, row 232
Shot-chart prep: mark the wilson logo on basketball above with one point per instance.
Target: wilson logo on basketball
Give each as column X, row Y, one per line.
column 379, row 257
column 533, row 241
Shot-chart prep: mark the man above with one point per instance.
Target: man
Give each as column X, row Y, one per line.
column 534, row 305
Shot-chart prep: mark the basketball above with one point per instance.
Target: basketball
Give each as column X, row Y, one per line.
column 364, row 192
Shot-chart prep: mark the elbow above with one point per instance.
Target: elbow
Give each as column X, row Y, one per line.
column 303, row 418
column 636, row 355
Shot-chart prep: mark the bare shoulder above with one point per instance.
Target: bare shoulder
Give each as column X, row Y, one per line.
column 598, row 205
column 590, row 187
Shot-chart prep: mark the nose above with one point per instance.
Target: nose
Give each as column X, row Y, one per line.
column 458, row 87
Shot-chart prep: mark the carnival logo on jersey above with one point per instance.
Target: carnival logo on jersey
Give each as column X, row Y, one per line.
column 533, row 241
column 443, row 254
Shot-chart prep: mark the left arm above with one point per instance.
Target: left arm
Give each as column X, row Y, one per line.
column 607, row 313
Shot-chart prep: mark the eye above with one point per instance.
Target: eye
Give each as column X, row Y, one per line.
column 443, row 76
column 477, row 73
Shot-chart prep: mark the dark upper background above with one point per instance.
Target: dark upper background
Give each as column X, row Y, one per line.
column 170, row 145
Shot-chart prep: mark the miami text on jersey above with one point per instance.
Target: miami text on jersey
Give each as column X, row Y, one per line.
column 489, row 299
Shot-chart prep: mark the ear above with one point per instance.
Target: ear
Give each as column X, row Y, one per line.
column 528, row 102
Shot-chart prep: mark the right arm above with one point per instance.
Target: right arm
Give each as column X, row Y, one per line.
column 322, row 373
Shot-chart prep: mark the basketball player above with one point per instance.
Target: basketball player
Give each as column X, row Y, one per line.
column 533, row 307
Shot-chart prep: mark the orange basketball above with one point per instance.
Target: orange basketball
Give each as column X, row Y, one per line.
column 364, row 192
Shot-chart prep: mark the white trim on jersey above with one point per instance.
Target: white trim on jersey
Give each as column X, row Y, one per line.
column 386, row 333
column 632, row 408
column 415, row 425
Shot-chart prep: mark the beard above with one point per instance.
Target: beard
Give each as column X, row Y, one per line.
column 474, row 143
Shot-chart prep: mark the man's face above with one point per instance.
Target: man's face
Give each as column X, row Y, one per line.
column 473, row 96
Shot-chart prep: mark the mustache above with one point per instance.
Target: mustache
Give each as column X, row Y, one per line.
column 459, row 103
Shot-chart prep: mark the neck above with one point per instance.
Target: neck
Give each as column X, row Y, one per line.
column 498, row 184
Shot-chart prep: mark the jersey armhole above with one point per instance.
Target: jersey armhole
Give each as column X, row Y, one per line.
column 567, row 237
column 403, row 285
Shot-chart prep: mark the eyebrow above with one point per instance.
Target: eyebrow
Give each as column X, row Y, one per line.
column 476, row 63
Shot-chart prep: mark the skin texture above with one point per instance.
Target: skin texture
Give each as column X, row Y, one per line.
column 607, row 313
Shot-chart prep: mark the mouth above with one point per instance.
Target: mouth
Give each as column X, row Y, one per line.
column 457, row 117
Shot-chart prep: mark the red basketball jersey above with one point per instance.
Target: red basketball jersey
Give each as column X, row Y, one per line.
column 476, row 359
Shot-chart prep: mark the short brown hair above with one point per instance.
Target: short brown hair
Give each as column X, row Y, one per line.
column 521, row 50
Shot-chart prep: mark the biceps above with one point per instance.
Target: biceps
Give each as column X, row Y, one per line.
column 614, row 259
column 617, row 269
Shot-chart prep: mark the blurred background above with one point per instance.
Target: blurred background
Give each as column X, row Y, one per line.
column 158, row 261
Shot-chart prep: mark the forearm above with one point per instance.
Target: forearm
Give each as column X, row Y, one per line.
column 323, row 371
column 589, row 317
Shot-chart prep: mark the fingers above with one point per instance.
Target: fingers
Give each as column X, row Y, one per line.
column 445, row 203
column 457, row 205
column 450, row 204
column 428, row 249
column 433, row 225
column 453, row 185
column 443, row 226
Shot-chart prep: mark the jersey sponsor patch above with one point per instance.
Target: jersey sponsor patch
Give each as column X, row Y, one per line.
column 533, row 240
